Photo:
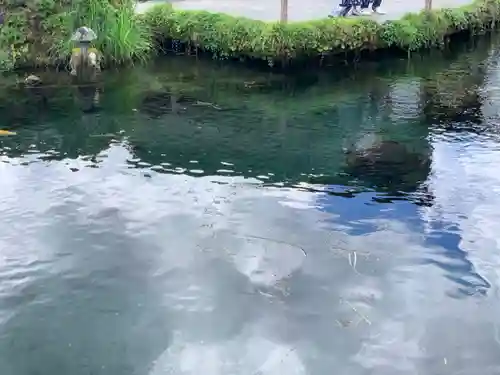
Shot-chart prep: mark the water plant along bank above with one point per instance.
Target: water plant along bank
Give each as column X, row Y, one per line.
column 39, row 35
column 228, row 36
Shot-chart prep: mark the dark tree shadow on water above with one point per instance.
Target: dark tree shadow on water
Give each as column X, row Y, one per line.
column 389, row 168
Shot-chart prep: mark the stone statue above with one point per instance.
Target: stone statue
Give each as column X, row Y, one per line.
column 84, row 58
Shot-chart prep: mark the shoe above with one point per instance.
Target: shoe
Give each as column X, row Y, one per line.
column 366, row 12
column 378, row 11
column 355, row 12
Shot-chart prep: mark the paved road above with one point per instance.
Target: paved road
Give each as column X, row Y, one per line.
column 298, row 10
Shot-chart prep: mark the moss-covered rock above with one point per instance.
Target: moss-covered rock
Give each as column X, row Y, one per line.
column 228, row 36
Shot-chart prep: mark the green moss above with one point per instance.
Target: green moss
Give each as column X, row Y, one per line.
column 228, row 36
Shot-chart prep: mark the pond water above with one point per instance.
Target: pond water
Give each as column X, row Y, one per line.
column 192, row 217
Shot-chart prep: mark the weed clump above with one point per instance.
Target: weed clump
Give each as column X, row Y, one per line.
column 37, row 32
column 122, row 37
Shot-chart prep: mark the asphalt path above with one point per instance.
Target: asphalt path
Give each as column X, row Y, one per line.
column 298, row 10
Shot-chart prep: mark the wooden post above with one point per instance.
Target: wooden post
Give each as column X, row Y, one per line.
column 428, row 4
column 284, row 11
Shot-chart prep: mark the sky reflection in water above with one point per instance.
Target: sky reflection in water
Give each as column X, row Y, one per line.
column 128, row 254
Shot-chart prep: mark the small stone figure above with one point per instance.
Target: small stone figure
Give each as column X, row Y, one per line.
column 81, row 59
column 84, row 34
column 84, row 58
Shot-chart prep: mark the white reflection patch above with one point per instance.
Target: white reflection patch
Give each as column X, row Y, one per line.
column 244, row 355
column 267, row 261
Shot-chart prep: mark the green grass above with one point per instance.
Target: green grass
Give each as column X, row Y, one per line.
column 125, row 37
column 122, row 37
column 228, row 36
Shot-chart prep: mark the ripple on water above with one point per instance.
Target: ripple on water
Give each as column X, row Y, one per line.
column 239, row 241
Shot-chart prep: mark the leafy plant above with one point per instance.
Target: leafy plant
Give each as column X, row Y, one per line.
column 38, row 32
column 122, row 37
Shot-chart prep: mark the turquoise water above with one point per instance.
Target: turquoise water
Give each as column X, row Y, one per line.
column 199, row 218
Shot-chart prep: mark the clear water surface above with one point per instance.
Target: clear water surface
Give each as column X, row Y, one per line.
column 199, row 218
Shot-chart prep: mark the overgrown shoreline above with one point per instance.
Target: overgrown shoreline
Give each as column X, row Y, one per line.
column 227, row 36
column 36, row 33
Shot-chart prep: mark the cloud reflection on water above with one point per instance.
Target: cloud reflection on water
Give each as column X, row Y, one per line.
column 208, row 258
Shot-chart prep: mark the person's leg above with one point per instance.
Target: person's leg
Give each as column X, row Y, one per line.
column 364, row 7
column 355, row 7
column 365, row 4
column 376, row 6
column 347, row 10
column 344, row 8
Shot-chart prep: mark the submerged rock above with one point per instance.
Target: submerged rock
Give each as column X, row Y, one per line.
column 385, row 152
column 387, row 164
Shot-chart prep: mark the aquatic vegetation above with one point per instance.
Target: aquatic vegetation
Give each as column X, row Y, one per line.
column 226, row 36
column 37, row 33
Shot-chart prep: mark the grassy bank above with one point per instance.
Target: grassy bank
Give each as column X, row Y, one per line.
column 38, row 32
column 226, row 36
